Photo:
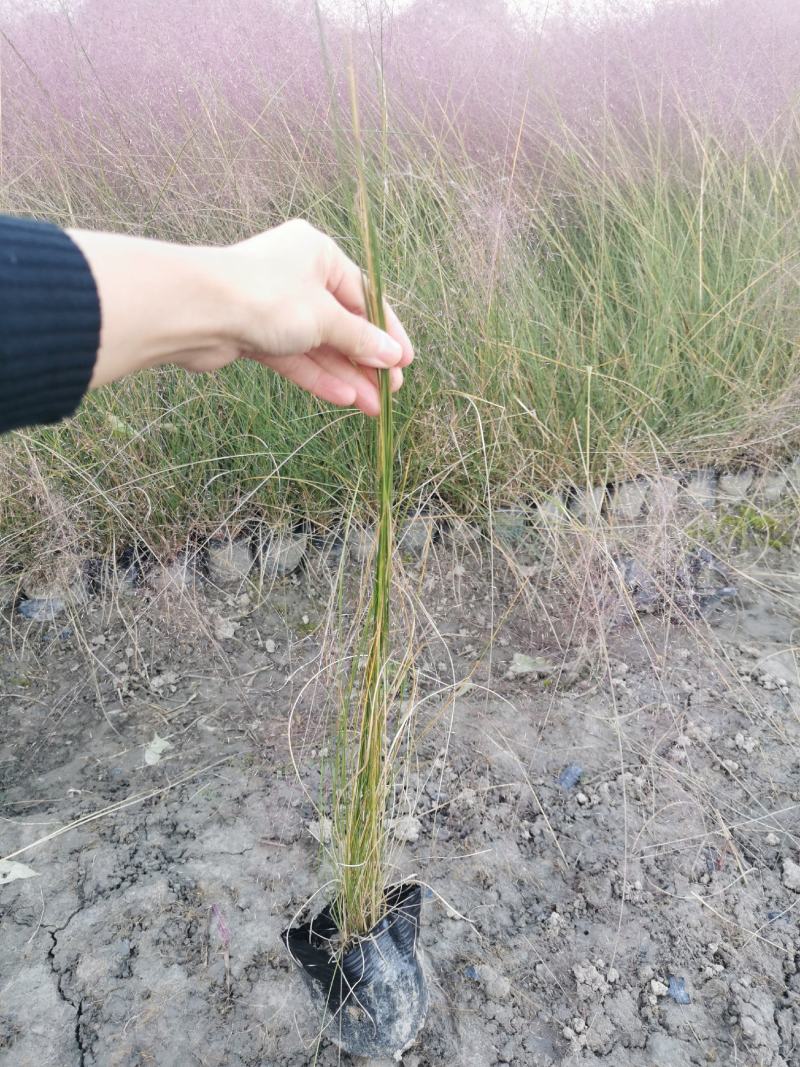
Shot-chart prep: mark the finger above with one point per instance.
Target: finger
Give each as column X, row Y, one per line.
column 356, row 338
column 363, row 379
column 310, row 376
column 347, row 285
column 394, row 328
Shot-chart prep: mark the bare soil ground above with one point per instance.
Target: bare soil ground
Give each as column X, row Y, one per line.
column 639, row 910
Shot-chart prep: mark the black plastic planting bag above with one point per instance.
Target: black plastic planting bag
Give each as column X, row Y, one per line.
column 372, row 1000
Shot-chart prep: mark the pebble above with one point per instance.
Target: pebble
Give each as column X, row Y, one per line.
column 416, row 535
column 772, row 839
column 321, row 830
column 745, row 742
column 628, row 501
column 791, row 875
column 269, row 646
column 406, row 828
column 588, row 503
column 772, row 486
column 229, row 562
column 733, row 487
column 497, row 985
column 701, row 488
column 225, row 629
column 181, row 575
column 282, row 553
column 522, row 664
column 361, row 544
column 510, row 526
column 658, row 988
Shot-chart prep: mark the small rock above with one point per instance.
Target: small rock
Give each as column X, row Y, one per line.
column 281, row 552
column 701, row 488
column 406, row 828
column 362, row 543
column 587, row 504
column 225, row 629
column 269, row 646
column 771, row 486
column 658, row 988
column 166, row 679
column 731, row 766
column 417, row 534
column 321, row 830
column 510, row 526
column 629, row 500
column 552, row 510
column 229, row 562
column 523, row 664
column 179, row 576
column 497, row 985
column 772, row 839
column 791, row 875
column 733, row 487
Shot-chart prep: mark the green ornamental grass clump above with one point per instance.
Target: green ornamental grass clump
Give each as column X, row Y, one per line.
column 361, row 792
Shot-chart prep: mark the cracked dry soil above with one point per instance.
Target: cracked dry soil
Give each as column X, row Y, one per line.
column 568, row 908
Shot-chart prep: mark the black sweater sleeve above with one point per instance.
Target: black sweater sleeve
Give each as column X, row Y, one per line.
column 49, row 323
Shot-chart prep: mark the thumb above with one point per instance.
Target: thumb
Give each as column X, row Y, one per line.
column 356, row 337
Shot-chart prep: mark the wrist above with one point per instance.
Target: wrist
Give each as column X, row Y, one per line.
column 159, row 303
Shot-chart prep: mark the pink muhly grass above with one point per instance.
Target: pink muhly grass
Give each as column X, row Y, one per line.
column 138, row 77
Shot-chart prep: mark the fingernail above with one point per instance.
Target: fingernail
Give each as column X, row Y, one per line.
column 388, row 348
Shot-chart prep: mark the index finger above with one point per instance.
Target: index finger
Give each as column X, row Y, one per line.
column 346, row 283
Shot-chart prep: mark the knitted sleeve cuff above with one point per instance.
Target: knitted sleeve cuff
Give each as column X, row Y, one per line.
column 49, row 323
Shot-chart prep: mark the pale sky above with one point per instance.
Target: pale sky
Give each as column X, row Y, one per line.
column 537, row 10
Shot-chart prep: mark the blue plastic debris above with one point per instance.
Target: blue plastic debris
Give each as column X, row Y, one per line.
column 570, row 776
column 41, row 609
column 472, row 972
column 778, row 916
column 677, row 990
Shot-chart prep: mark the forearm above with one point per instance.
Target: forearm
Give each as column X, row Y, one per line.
column 160, row 303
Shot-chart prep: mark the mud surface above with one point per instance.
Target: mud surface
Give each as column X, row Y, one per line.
column 611, row 847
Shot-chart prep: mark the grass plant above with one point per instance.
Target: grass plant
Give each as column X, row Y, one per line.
column 361, row 794
column 639, row 244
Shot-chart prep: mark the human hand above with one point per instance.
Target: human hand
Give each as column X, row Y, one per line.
column 305, row 317
column 288, row 298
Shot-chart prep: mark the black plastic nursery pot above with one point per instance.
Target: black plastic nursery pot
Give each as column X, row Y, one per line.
column 373, row 998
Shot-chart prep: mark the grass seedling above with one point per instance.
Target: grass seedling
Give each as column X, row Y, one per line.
column 361, row 798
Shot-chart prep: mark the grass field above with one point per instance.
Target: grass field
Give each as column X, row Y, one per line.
column 587, row 301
